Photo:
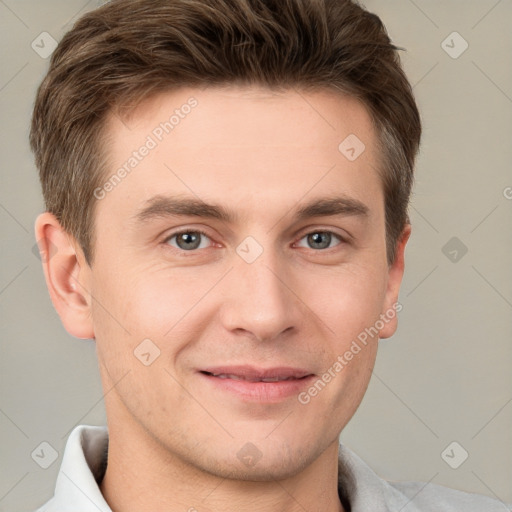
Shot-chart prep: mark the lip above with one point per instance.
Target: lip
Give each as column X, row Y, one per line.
column 246, row 384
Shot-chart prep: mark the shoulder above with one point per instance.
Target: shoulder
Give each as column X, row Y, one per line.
column 360, row 486
column 428, row 497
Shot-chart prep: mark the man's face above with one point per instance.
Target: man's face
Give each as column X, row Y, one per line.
column 265, row 290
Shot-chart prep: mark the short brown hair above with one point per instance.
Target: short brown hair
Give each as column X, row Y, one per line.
column 129, row 50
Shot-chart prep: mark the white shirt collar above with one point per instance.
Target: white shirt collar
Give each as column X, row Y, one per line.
column 85, row 459
column 83, row 465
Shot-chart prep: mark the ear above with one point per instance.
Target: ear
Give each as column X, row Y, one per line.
column 395, row 274
column 67, row 275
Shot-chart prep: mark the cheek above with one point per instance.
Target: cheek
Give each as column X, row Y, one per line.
column 353, row 381
column 348, row 301
column 145, row 304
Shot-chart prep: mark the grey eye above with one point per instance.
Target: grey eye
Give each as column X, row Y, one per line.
column 187, row 240
column 320, row 239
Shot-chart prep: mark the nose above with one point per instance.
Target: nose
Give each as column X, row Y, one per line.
column 259, row 300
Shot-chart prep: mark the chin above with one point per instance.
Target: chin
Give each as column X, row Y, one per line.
column 253, row 465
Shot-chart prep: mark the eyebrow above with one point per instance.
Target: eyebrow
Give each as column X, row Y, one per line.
column 173, row 206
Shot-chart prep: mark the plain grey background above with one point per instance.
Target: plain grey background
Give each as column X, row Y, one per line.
column 444, row 377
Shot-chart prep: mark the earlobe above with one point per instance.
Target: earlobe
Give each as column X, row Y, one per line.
column 67, row 276
column 395, row 274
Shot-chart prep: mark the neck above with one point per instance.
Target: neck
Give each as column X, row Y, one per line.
column 142, row 474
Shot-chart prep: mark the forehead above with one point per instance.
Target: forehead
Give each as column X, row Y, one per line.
column 239, row 112
column 243, row 144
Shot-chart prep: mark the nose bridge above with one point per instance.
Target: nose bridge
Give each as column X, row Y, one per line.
column 258, row 299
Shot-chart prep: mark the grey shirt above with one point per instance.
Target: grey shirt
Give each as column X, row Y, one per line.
column 360, row 488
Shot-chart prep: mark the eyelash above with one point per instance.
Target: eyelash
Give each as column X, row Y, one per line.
column 200, row 231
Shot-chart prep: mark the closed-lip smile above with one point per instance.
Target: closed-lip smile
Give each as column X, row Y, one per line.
column 258, row 384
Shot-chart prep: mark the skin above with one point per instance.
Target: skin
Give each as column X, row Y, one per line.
column 174, row 438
